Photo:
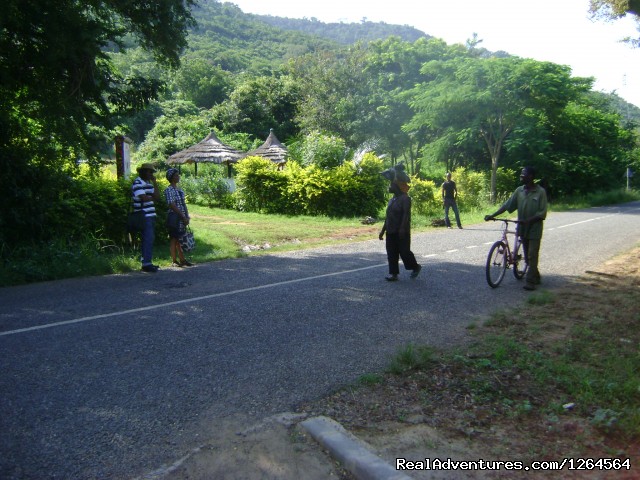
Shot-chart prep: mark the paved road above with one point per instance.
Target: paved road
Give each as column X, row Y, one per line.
column 113, row 377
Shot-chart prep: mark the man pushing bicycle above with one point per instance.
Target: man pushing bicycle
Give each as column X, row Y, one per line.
column 530, row 200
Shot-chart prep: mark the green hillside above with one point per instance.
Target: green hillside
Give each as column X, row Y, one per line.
column 239, row 42
column 346, row 33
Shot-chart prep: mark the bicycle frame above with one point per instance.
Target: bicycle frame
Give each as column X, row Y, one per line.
column 501, row 256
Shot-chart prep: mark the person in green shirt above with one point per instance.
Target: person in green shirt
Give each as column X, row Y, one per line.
column 530, row 200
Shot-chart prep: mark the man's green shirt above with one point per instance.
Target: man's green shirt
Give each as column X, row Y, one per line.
column 529, row 204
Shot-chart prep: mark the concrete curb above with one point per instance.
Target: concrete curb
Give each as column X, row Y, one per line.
column 351, row 451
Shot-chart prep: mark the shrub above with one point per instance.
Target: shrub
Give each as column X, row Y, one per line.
column 425, row 197
column 472, row 188
column 507, row 180
column 351, row 189
column 324, row 151
column 261, row 186
column 210, row 189
column 348, row 190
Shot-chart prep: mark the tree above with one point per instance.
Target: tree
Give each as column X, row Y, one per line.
column 201, row 82
column 590, row 150
column 258, row 104
column 334, row 91
column 59, row 91
column 324, row 151
column 57, row 82
column 617, row 9
column 395, row 68
column 472, row 98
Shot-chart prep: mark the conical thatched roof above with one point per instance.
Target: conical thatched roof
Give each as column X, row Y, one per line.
column 211, row 150
column 271, row 149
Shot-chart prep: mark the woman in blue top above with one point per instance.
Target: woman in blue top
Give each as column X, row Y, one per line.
column 178, row 210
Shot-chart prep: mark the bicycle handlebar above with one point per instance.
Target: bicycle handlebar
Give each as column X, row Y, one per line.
column 506, row 220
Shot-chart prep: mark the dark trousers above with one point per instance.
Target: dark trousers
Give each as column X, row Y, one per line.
column 531, row 249
column 148, row 237
column 451, row 203
column 400, row 248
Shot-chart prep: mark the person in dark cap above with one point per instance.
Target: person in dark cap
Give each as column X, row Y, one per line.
column 530, row 200
column 177, row 219
column 397, row 225
column 144, row 192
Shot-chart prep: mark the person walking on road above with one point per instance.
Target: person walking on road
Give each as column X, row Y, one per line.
column 531, row 202
column 397, row 225
column 449, row 196
column 177, row 217
column 144, row 192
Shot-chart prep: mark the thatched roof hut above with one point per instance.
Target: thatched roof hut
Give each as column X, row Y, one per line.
column 271, row 149
column 209, row 150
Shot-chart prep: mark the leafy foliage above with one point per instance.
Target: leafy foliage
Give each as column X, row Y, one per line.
column 472, row 187
column 425, row 198
column 60, row 92
column 608, row 9
column 210, row 189
column 324, row 151
column 345, row 191
column 345, row 33
column 73, row 75
column 258, row 104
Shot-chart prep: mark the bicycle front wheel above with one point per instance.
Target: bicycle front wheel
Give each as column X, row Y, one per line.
column 496, row 264
column 520, row 264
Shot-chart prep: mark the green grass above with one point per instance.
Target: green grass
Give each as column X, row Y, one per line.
column 412, row 357
column 578, row 345
column 56, row 260
column 596, row 199
column 234, row 230
column 222, row 234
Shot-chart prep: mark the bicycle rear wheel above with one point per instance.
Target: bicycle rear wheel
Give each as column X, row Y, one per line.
column 496, row 264
column 520, row 265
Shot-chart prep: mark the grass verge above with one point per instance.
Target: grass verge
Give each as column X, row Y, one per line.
column 224, row 234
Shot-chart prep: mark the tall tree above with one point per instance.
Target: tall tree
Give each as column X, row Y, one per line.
column 202, row 83
column 258, row 104
column 59, row 91
column 395, row 68
column 334, row 93
column 489, row 98
column 56, row 79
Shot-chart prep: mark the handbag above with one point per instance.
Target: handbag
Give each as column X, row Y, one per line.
column 187, row 241
column 135, row 221
column 173, row 219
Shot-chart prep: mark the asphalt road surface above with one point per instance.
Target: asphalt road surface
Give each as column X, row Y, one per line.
column 116, row 376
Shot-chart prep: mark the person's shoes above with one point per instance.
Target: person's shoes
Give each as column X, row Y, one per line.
column 460, row 227
column 186, row 263
column 392, row 277
column 529, row 286
column 150, row 268
column 449, row 227
column 416, row 272
column 176, row 264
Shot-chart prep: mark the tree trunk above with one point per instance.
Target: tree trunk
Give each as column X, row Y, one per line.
column 494, row 140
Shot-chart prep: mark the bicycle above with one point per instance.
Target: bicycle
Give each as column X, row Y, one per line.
column 501, row 256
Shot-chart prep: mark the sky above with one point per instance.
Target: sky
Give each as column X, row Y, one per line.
column 559, row 31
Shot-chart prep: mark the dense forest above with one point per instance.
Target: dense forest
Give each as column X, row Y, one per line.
column 411, row 96
column 73, row 77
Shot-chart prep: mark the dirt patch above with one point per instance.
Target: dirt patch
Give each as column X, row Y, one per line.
column 225, row 222
column 274, row 448
column 455, row 409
